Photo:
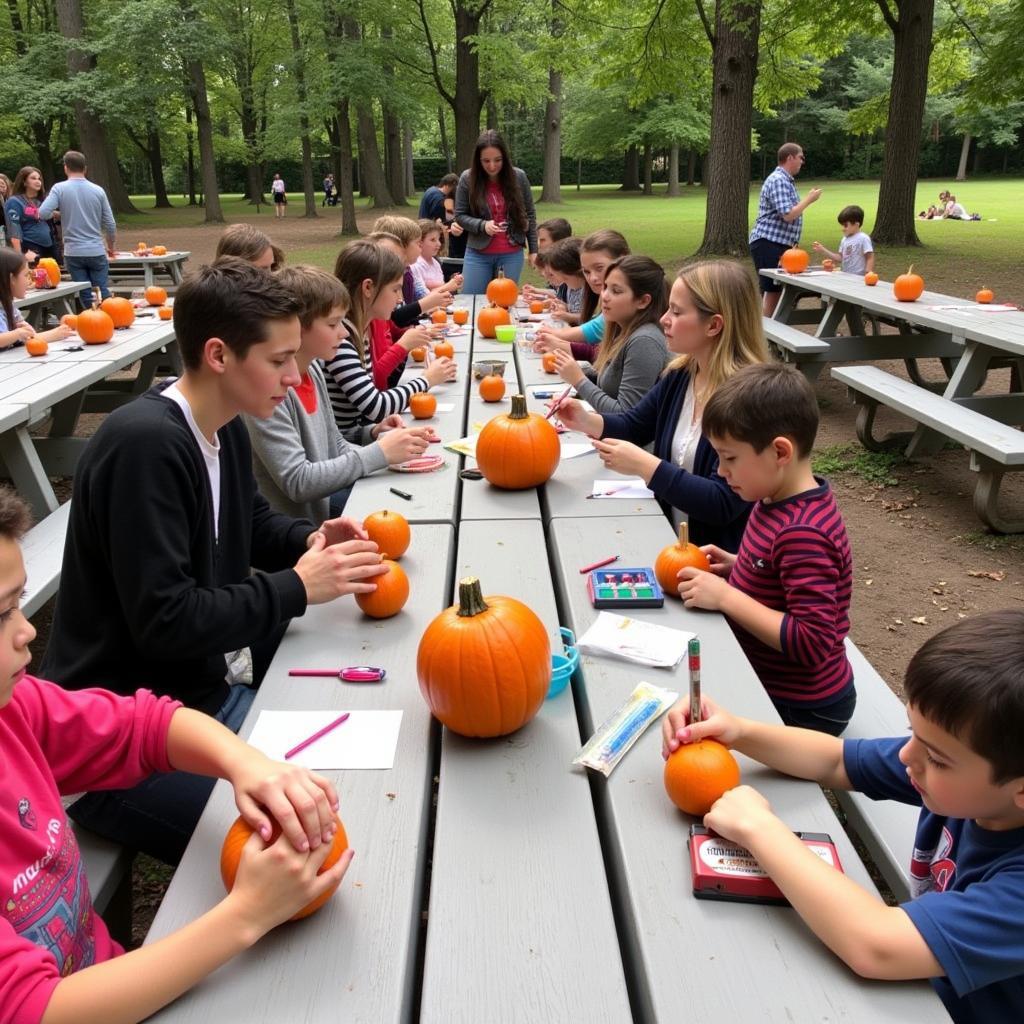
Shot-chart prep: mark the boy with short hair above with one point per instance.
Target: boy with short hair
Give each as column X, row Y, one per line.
column 856, row 253
column 300, row 459
column 786, row 591
column 166, row 525
column 963, row 764
column 551, row 231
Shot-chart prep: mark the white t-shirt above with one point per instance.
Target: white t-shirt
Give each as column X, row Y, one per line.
column 684, row 445
column 854, row 250
column 211, row 452
column 277, row 185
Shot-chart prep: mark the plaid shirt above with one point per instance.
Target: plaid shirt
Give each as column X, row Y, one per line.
column 778, row 196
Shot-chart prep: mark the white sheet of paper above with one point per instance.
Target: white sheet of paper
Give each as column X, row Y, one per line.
column 974, row 307
column 634, row 640
column 445, row 406
column 572, row 449
column 464, row 446
column 630, row 487
column 367, row 740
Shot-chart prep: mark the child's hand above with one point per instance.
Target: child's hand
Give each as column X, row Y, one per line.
column 440, row 371
column 700, row 589
column 343, row 528
column 818, row 247
column 740, row 813
column 545, row 341
column 716, row 723
column 625, row 457
column 392, row 422
column 568, row 369
column 275, row 882
column 415, row 337
column 721, row 561
column 575, row 417
column 58, row 333
column 402, row 445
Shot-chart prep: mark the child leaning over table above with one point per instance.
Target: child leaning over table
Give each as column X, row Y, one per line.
column 963, row 764
column 856, row 253
column 57, row 960
column 786, row 591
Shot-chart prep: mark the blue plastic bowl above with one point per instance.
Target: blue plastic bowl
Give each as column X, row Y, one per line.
column 563, row 665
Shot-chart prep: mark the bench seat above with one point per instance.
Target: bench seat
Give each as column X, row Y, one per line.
column 43, row 550
column 792, row 340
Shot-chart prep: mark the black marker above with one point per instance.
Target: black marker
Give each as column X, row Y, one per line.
column 401, row 494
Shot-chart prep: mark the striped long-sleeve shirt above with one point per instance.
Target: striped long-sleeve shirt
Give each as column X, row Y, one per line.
column 355, row 399
column 795, row 558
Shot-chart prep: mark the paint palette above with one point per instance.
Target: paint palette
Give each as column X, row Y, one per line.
column 624, row 588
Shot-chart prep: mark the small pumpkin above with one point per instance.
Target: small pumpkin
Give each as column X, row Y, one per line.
column 141, row 246
column 389, row 531
column 549, row 363
column 697, row 774
column 828, row 265
column 460, row 316
column 908, row 287
column 794, row 260
column 238, row 836
column 422, row 406
column 490, row 317
column 444, row 348
column 419, row 353
column 484, row 665
column 95, row 326
column 984, row 296
column 165, row 313
column 70, row 320
column 159, row 250
column 119, row 310
column 537, row 306
column 52, row 270
column 36, row 347
column 871, row 279
column 676, row 557
column 390, row 596
column 492, row 388
column 502, row 290
column 517, row 449
column 156, row 296
column 439, row 316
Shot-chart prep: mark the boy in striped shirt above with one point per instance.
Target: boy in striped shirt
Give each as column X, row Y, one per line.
column 786, row 592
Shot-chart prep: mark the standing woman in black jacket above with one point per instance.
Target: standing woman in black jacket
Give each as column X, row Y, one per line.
column 494, row 205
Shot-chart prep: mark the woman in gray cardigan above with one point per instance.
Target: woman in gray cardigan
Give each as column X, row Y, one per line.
column 494, row 205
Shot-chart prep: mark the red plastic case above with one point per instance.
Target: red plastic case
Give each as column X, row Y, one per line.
column 724, row 870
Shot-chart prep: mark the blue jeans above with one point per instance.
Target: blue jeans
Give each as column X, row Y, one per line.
column 93, row 269
column 480, row 268
column 833, row 718
column 158, row 815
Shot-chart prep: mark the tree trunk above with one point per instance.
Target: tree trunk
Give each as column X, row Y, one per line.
column 393, row 157
column 631, row 171
column 468, row 98
column 445, row 147
column 410, row 167
column 249, row 124
column 912, row 34
column 965, row 149
column 308, row 187
column 648, row 169
column 727, row 164
column 346, row 192
column 156, row 169
column 372, row 173
column 673, row 170
column 190, row 163
column 691, row 166
column 204, row 127
column 92, row 134
column 552, row 190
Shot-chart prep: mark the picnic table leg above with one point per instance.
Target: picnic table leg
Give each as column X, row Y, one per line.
column 26, row 471
column 65, row 415
column 787, row 303
column 147, row 270
column 986, row 496
column 835, row 311
column 866, row 409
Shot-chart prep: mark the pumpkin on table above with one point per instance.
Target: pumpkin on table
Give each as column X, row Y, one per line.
column 36, row 347
column 871, row 279
column 794, row 260
column 444, row 348
column 159, row 250
column 983, row 296
column 70, row 320
column 492, row 388
column 119, row 310
column 389, row 531
column 908, row 287
column 490, row 317
column 52, row 270
column 517, row 449
column 390, row 596
column 484, row 665
column 697, row 774
column 422, row 406
column 156, row 296
column 502, row 290
column 676, row 557
column 549, row 362
column 94, row 326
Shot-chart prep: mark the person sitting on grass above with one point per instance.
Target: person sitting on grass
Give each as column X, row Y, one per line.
column 786, row 592
column 166, row 527
column 249, row 244
column 963, row 765
column 15, row 281
column 303, row 466
column 60, row 963
column 856, row 253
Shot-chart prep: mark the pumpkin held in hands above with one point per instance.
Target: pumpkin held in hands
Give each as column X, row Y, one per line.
column 70, row 320
column 908, row 287
column 492, row 388
column 484, row 665
column 422, row 406
column 550, row 362
column 828, row 265
column 390, row 596
column 697, row 774
column 94, row 326
column 238, row 836
column 444, row 348
column 676, row 557
column 389, row 531
column 119, row 310
column 490, row 317
column 517, row 449
column 502, row 291
column 795, row 260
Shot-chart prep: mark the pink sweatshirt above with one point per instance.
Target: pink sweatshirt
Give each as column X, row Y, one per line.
column 55, row 741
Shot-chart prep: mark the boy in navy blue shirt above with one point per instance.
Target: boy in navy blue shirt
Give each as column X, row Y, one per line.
column 963, row 763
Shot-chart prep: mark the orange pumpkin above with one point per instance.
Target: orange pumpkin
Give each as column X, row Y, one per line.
column 390, row 596
column 119, row 310
column 461, row 315
column 439, row 316
column 697, row 774
column 676, row 557
column 36, row 347
column 548, row 362
column 537, row 306
column 984, row 295
column 422, row 406
column 165, row 313
column 95, row 326
column 908, row 287
column 871, row 279
column 70, row 320
column 828, row 265
column 492, row 388
column 444, row 348
column 502, row 291
column 52, row 270
column 490, row 317
column 419, row 353
column 518, row 449
column 156, row 296
column 141, row 246
column 238, row 836
column 795, row 260
column 389, row 531
column 159, row 250
column 484, row 665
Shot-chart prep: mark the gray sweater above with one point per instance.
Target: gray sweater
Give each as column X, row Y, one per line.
column 630, row 375
column 85, row 217
column 300, row 460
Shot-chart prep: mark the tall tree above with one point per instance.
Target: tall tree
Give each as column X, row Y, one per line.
column 299, row 65
column 552, row 188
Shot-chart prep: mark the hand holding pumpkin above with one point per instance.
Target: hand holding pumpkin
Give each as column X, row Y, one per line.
column 347, row 568
column 440, row 371
column 700, row 589
column 721, row 561
column 567, row 368
column 716, row 723
column 626, row 458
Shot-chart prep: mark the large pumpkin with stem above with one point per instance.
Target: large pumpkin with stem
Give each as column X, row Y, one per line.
column 908, row 287
column 119, row 310
column 94, row 326
column 676, row 557
column 390, row 596
column 502, row 290
column 484, row 665
column 517, row 449
column 238, row 836
column 490, row 317
column 389, row 531
column 794, row 260
column 52, row 269
column 697, row 774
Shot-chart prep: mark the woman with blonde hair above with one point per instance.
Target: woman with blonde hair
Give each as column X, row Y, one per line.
column 249, row 244
column 714, row 327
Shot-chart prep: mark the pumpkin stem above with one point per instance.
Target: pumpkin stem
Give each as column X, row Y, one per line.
column 518, row 411
column 684, row 534
column 471, row 598
column 501, row 272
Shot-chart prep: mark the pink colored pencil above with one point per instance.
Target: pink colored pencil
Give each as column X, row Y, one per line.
column 312, row 739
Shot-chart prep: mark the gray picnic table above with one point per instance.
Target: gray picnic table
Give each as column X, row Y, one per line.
column 169, row 266
column 39, row 299
column 530, row 891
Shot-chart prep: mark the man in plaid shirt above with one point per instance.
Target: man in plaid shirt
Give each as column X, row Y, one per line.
column 779, row 219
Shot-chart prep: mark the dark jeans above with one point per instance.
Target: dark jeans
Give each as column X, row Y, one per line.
column 833, row 718
column 95, row 270
column 765, row 255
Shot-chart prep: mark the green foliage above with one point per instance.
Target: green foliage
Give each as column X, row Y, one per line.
column 874, row 468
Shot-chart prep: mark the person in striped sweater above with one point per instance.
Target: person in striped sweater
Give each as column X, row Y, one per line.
column 373, row 276
column 786, row 591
